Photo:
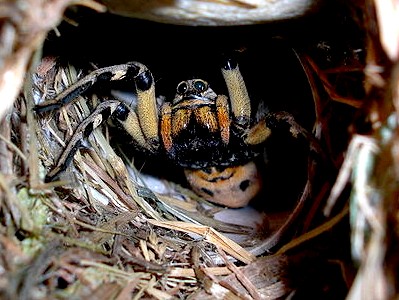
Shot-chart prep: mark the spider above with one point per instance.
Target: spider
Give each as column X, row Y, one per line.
column 214, row 138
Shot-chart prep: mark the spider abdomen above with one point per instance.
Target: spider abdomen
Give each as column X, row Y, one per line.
column 229, row 186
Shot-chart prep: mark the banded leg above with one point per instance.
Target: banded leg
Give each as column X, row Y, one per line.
column 239, row 98
column 147, row 112
column 100, row 114
column 146, row 109
column 117, row 72
column 114, row 109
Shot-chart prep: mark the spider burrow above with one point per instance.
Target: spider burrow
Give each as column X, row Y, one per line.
column 214, row 138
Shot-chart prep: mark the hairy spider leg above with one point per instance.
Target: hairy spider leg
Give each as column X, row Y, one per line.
column 103, row 111
column 144, row 132
column 147, row 111
column 223, row 116
column 114, row 109
column 238, row 94
column 107, row 74
column 258, row 133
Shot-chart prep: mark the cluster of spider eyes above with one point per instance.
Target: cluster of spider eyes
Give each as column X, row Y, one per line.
column 199, row 86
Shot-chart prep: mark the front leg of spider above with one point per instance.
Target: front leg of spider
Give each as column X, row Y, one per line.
column 141, row 124
column 89, row 82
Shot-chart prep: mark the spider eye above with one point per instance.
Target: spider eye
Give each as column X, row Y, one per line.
column 182, row 87
column 200, row 85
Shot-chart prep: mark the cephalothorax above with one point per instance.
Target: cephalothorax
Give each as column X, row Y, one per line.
column 215, row 138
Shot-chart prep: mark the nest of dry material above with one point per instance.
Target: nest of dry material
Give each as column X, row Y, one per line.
column 107, row 232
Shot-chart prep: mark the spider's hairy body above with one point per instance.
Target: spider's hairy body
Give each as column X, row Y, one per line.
column 213, row 137
column 202, row 134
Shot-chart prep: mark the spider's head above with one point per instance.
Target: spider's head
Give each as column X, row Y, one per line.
column 194, row 89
